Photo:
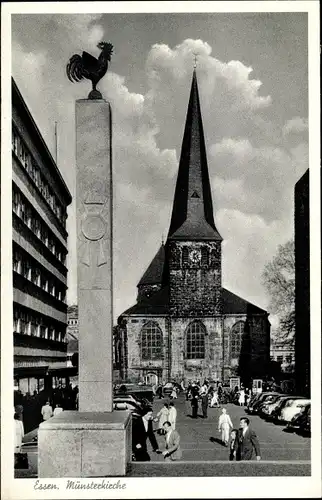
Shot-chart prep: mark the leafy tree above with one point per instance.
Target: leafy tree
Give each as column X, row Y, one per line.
column 279, row 280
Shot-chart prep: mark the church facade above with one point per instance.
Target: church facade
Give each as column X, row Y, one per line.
column 185, row 325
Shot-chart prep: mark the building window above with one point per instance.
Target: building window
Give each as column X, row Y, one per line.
column 16, row 320
column 204, row 256
column 237, row 332
column 185, row 255
column 279, row 359
column 195, row 341
column 151, row 341
column 23, row 324
column 15, row 142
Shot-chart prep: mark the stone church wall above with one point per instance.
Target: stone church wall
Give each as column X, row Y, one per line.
column 192, row 369
column 138, row 368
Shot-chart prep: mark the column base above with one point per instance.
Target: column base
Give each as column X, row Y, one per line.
column 77, row 444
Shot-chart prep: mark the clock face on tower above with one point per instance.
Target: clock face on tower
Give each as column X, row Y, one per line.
column 195, row 256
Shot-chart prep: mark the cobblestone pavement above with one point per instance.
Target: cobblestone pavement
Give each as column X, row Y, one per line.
column 200, row 439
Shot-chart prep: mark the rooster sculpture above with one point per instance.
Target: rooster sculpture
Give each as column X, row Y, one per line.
column 87, row 66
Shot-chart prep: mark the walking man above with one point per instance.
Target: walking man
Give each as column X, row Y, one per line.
column 172, row 443
column 247, row 441
column 204, row 399
column 141, row 430
column 224, row 425
column 194, row 400
column 46, row 411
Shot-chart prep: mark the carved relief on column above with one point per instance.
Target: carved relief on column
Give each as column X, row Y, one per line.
column 94, row 239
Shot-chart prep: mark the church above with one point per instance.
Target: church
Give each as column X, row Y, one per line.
column 185, row 325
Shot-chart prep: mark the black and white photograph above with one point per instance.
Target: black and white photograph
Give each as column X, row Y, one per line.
column 161, row 249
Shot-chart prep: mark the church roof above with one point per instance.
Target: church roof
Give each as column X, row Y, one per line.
column 192, row 213
column 153, row 274
column 158, row 303
column 233, row 304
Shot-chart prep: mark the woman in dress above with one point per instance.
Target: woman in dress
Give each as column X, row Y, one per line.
column 241, row 399
column 163, row 416
column 224, row 424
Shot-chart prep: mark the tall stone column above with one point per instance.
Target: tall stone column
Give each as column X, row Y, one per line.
column 94, row 250
column 94, row 441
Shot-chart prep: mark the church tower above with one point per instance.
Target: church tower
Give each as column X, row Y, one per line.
column 194, row 244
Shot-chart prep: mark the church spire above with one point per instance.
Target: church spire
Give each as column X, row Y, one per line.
column 192, row 213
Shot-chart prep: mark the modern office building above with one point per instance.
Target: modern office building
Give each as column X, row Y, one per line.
column 39, row 244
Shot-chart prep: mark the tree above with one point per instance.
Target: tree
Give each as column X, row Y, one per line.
column 279, row 280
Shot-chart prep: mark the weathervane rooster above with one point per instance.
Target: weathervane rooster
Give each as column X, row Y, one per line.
column 87, row 66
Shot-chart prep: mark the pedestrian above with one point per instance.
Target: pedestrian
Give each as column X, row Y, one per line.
column 19, row 433
column 182, row 385
column 172, row 443
column 224, row 424
column 46, row 411
column 247, row 441
column 188, row 392
column 173, row 394
column 194, row 400
column 172, row 415
column 57, row 410
column 233, row 446
column 159, row 391
column 214, row 401
column 241, row 398
column 163, row 416
column 204, row 399
column 142, row 429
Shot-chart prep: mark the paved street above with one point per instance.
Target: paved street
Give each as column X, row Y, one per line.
column 200, row 439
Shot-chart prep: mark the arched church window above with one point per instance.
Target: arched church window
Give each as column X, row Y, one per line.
column 237, row 332
column 204, row 256
column 195, row 340
column 151, row 342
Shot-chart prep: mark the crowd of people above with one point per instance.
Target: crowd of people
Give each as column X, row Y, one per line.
column 242, row 441
column 32, row 409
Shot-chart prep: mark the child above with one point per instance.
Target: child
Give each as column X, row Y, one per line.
column 233, row 445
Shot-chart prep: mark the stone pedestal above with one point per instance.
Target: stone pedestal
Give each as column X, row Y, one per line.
column 76, row 444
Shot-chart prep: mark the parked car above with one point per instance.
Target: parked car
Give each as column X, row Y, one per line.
column 251, row 402
column 167, row 388
column 265, row 402
column 269, row 407
column 301, row 421
column 263, row 396
column 291, row 408
column 277, row 411
column 126, row 404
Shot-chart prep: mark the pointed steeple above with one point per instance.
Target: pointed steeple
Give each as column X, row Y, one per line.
column 192, row 213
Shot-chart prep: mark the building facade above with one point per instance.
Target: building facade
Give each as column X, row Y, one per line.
column 302, row 285
column 185, row 325
column 283, row 354
column 39, row 245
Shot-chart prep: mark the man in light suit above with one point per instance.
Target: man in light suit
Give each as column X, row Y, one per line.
column 172, row 443
column 247, row 441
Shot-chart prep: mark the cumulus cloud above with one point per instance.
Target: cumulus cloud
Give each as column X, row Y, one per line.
column 252, row 175
column 295, row 125
column 256, row 179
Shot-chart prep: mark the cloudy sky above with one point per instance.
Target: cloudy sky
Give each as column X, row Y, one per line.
column 252, row 76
